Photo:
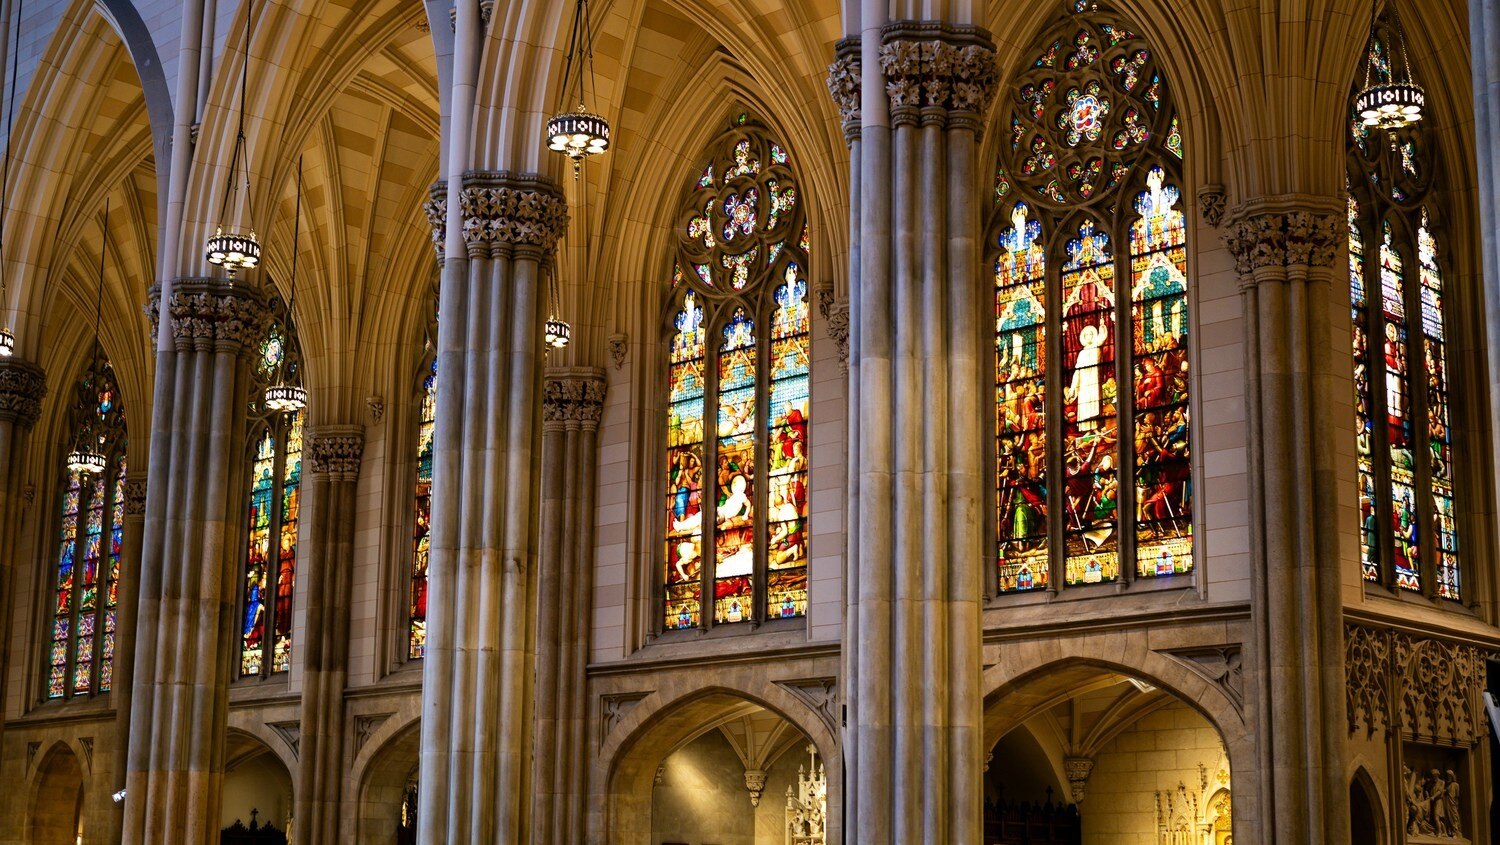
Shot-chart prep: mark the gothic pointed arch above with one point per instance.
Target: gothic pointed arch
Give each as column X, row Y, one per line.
column 1405, row 443
column 84, row 600
column 1088, row 243
column 273, row 506
column 737, row 322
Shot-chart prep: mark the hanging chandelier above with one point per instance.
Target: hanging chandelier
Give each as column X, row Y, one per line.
column 283, row 397
column 580, row 133
column 1393, row 103
column 86, row 459
column 237, row 249
column 7, row 339
column 557, row 333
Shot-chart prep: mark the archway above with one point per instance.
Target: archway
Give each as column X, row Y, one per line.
column 387, row 806
column 720, row 768
column 257, row 786
column 1096, row 755
column 1364, row 811
column 57, row 803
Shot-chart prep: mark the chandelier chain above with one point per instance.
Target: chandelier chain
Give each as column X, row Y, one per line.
column 10, row 122
column 239, row 137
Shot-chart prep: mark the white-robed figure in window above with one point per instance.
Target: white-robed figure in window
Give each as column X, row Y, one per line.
column 1084, row 390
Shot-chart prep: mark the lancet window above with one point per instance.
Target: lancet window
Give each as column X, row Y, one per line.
column 1089, row 251
column 737, row 324
column 273, row 507
column 416, row 617
column 85, row 596
column 1408, row 524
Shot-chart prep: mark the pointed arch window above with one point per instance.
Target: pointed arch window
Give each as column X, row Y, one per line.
column 1089, row 251
column 85, row 596
column 1408, row 530
column 273, row 509
column 416, row 617
column 737, row 325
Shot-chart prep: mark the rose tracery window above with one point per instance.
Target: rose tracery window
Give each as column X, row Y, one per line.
column 274, row 507
column 1404, row 439
column 738, row 325
column 85, row 596
column 1089, row 240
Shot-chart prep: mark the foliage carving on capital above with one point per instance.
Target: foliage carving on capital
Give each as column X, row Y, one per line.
column 23, row 386
column 504, row 211
column 436, row 210
column 936, row 66
column 1298, row 238
column 211, row 314
column 573, row 396
column 135, row 495
column 843, row 83
column 835, row 313
column 336, row 451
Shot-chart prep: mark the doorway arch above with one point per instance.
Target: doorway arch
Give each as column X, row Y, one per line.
column 57, row 799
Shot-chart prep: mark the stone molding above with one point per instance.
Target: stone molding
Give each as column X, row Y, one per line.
column 1426, row 687
column 843, row 84
column 938, row 73
column 573, row 397
column 336, row 451
column 1277, row 235
column 135, row 495
column 211, row 315
column 436, row 210
column 23, row 386
column 506, row 212
column 835, row 313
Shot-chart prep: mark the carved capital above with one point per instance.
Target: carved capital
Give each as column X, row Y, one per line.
column 336, row 451
column 211, row 315
column 1077, row 769
column 573, row 397
column 1211, row 200
column 755, row 784
column 843, row 84
column 23, row 385
column 1279, row 234
column 436, row 210
column 617, row 349
column 835, row 313
column 938, row 73
column 505, row 212
column 135, row 495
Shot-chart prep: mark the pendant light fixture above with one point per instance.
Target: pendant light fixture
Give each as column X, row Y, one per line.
column 580, row 133
column 282, row 396
column 8, row 340
column 1393, row 103
column 556, row 332
column 86, row 458
column 238, row 249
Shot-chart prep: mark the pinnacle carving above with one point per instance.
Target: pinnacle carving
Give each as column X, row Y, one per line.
column 337, row 452
column 505, row 211
column 211, row 315
column 1284, row 239
column 23, row 385
column 935, row 71
column 573, row 397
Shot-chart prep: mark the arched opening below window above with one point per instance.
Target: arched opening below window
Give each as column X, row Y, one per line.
column 257, row 796
column 1364, row 813
column 57, row 808
column 388, row 793
column 1110, row 758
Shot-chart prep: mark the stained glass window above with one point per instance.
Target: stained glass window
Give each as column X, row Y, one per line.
column 738, row 331
column 416, row 641
column 1093, row 482
column 273, row 512
column 1408, row 523
column 80, row 651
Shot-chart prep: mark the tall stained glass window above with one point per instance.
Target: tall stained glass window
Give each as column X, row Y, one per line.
column 85, row 596
column 273, row 509
column 1089, row 250
column 1408, row 531
column 416, row 639
column 737, row 326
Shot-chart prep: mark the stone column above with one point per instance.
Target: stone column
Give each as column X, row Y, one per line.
column 478, row 672
column 184, row 631
column 1484, row 34
column 334, row 455
column 1287, row 251
column 912, row 642
column 22, row 388
column 129, row 598
column 572, row 404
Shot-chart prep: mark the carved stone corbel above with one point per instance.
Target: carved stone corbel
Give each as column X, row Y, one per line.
column 23, row 386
